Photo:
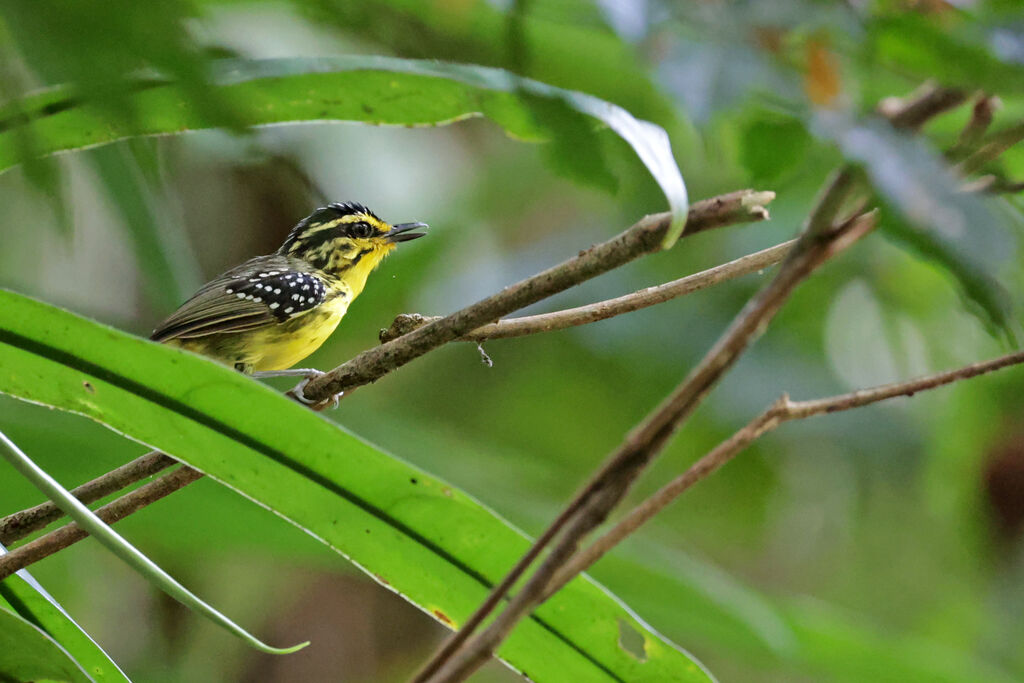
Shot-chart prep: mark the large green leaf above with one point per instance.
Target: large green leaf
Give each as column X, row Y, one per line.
column 431, row 543
column 28, row 654
column 24, row 596
column 376, row 90
column 527, row 40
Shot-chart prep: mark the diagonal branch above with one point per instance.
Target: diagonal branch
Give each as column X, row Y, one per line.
column 783, row 410
column 981, row 118
column 642, row 238
column 20, row 524
column 602, row 310
column 462, row 653
column 115, row 511
column 919, row 107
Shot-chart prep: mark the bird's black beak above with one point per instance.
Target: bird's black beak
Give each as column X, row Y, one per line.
column 400, row 232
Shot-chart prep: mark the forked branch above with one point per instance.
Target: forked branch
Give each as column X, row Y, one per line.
column 783, row 410
column 602, row 310
column 822, row 238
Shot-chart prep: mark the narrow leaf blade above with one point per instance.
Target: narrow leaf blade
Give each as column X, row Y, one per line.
column 378, row 90
column 27, row 653
column 29, row 600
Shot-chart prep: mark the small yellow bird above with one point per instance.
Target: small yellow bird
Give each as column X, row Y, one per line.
column 269, row 313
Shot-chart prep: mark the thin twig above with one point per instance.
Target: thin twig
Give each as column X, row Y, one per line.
column 993, row 146
column 917, row 108
column 602, row 310
column 116, row 510
column 981, row 118
column 1001, row 186
column 20, row 524
column 463, row 654
column 783, row 410
column 643, row 238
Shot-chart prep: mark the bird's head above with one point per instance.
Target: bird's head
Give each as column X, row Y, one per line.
column 346, row 240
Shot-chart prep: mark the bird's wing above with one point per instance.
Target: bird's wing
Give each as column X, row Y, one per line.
column 266, row 290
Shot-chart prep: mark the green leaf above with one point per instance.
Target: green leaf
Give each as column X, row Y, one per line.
column 961, row 231
column 94, row 47
column 434, row 545
column 24, row 596
column 919, row 44
column 771, row 145
column 540, row 46
column 28, row 654
column 377, row 90
column 113, row 541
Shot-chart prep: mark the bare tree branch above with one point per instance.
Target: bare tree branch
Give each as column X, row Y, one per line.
column 993, row 146
column 642, row 238
column 821, row 240
column 602, row 310
column 20, row 524
column 115, row 511
column 917, row 108
column 981, row 118
column 783, row 410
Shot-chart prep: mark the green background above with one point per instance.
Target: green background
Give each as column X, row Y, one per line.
column 882, row 544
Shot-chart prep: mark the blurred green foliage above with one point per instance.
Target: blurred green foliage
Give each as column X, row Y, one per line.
column 883, row 544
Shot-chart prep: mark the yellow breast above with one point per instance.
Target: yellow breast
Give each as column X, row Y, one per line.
column 282, row 346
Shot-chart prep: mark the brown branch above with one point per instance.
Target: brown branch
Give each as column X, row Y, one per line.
column 981, row 118
column 993, row 146
column 602, row 310
column 917, row 108
column 783, row 410
column 642, row 238
column 1002, row 186
column 112, row 512
column 20, row 524
column 463, row 654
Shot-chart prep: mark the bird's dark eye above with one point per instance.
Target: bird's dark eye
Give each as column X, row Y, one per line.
column 361, row 229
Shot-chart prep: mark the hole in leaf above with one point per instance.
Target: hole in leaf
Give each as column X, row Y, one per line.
column 632, row 641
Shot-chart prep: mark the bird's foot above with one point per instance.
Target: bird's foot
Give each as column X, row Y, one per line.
column 298, row 392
